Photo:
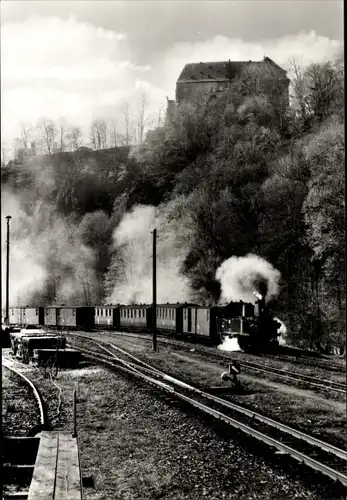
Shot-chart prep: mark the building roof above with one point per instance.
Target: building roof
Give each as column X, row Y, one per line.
column 222, row 71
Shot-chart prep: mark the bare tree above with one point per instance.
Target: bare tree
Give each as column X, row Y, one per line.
column 62, row 137
column 74, row 137
column 98, row 134
column 316, row 90
column 25, row 133
column 126, row 123
column 48, row 133
column 141, row 119
column 113, row 133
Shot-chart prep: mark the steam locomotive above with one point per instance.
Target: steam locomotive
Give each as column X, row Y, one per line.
column 253, row 325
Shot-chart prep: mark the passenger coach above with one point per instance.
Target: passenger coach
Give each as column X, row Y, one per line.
column 136, row 316
column 107, row 316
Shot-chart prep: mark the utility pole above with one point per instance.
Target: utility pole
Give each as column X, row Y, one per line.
column 154, row 306
column 7, row 319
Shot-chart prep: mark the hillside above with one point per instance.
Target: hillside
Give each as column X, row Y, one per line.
column 229, row 179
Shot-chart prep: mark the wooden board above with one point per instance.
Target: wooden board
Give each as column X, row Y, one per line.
column 42, row 484
column 68, row 475
column 57, row 473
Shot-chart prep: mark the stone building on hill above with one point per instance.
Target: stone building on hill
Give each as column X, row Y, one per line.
column 199, row 81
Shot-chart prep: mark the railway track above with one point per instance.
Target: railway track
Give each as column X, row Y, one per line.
column 290, row 376
column 19, row 452
column 39, row 401
column 318, row 455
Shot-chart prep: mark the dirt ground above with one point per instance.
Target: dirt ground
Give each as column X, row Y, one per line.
column 137, row 443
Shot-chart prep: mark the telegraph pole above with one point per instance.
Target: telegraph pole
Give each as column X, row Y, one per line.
column 154, row 307
column 7, row 319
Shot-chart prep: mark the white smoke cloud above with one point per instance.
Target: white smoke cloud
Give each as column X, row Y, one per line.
column 240, row 277
column 43, row 248
column 282, row 331
column 133, row 244
column 27, row 275
column 229, row 344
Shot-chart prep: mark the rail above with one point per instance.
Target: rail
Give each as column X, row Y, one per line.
column 314, row 382
column 40, row 402
column 325, row 451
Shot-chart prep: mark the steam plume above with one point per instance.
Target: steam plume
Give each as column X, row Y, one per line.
column 282, row 331
column 229, row 344
column 48, row 262
column 240, row 277
column 132, row 262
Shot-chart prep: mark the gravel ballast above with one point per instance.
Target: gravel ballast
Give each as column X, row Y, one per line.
column 20, row 411
column 139, row 445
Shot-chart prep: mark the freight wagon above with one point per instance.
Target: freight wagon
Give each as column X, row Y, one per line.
column 76, row 317
column 26, row 315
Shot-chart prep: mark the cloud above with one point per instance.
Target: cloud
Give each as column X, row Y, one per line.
column 53, row 67
column 309, row 47
column 57, row 67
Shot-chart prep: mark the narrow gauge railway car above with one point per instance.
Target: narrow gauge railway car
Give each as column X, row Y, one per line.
column 107, row 316
column 138, row 317
column 201, row 323
column 26, row 315
column 169, row 317
column 50, row 316
column 70, row 317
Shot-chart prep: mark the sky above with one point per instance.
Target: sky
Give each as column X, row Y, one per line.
column 75, row 61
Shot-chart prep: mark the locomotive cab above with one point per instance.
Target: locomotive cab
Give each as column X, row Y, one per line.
column 253, row 325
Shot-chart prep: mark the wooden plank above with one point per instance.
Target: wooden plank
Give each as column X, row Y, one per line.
column 68, row 475
column 43, row 481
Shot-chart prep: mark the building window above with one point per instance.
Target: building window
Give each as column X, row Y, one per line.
column 208, row 315
column 173, row 313
column 37, row 312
